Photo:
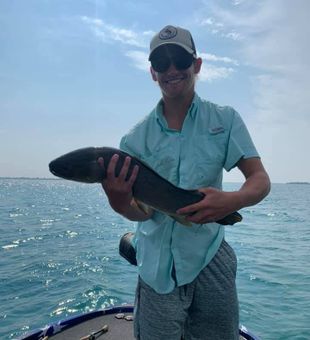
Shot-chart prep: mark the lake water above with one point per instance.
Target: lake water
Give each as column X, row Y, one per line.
column 59, row 257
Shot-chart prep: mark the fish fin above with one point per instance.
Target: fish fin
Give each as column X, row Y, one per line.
column 181, row 219
column 147, row 209
column 142, row 206
column 231, row 219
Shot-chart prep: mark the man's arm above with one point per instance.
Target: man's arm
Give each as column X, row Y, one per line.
column 217, row 204
column 257, row 183
column 119, row 190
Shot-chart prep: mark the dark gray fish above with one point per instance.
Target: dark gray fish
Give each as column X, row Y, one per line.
column 149, row 188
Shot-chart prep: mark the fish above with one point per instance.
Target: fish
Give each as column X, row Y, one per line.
column 150, row 190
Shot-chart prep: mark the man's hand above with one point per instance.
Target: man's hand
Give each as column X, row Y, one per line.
column 217, row 204
column 119, row 189
column 214, row 206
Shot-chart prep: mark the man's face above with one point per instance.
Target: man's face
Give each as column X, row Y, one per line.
column 175, row 70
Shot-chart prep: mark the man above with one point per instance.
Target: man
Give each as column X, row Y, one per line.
column 186, row 281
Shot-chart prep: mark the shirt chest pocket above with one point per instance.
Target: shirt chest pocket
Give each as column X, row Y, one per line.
column 209, row 154
column 162, row 160
column 210, row 148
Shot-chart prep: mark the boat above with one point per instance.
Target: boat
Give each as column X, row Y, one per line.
column 113, row 323
column 107, row 324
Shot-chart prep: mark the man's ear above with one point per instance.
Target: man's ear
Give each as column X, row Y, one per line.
column 153, row 73
column 197, row 65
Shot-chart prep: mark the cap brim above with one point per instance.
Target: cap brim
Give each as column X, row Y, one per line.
column 186, row 48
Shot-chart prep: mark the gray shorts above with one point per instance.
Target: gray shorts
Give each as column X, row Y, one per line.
column 206, row 308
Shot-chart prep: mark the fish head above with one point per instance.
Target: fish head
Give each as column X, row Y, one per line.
column 80, row 165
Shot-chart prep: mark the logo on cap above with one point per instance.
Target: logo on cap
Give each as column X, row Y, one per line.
column 168, row 32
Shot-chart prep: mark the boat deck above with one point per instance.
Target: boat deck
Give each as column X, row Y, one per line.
column 120, row 329
column 107, row 324
column 112, row 329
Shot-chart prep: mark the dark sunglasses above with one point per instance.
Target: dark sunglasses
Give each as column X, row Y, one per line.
column 181, row 62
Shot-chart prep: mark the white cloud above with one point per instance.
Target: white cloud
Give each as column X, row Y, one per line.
column 211, row 22
column 212, row 68
column 110, row 33
column 232, row 35
column 219, row 28
column 139, row 59
column 213, row 57
column 92, row 21
column 238, row 2
column 276, row 43
column 210, row 72
column 278, row 47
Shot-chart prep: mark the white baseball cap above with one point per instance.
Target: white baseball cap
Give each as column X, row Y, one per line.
column 175, row 36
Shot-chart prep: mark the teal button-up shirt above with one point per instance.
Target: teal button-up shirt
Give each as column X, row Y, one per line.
column 212, row 138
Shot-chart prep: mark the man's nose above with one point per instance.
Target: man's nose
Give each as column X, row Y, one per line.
column 171, row 68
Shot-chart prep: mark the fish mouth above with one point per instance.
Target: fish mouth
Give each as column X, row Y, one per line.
column 91, row 172
column 59, row 169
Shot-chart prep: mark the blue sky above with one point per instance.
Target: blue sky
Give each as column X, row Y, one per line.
column 75, row 73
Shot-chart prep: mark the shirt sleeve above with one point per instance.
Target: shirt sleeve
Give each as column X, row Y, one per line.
column 124, row 145
column 240, row 144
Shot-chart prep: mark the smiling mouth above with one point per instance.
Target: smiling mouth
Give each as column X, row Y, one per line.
column 174, row 80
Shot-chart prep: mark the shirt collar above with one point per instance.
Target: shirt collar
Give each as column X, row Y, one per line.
column 194, row 106
column 160, row 116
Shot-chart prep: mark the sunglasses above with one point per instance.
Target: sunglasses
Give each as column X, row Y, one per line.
column 181, row 61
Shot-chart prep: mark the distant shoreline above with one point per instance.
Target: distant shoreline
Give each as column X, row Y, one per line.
column 60, row 179
column 298, row 183
column 32, row 178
